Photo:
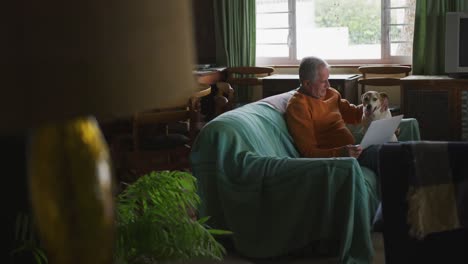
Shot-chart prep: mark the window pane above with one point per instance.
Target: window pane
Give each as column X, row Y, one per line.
column 397, row 16
column 400, row 3
column 272, row 50
column 403, row 33
column 401, row 49
column 332, row 30
column 272, row 20
column 272, row 36
column 271, row 6
column 400, row 33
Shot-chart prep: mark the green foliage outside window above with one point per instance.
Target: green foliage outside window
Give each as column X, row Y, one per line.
column 361, row 17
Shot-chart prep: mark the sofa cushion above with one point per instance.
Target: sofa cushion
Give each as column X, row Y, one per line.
column 279, row 101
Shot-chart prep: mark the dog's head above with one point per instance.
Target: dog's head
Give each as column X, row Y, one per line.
column 374, row 101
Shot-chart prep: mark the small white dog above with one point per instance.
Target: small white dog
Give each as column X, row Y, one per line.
column 375, row 107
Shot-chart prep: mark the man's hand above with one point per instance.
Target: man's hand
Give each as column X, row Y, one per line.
column 352, row 150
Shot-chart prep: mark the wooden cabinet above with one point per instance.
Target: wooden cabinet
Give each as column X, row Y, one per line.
column 439, row 103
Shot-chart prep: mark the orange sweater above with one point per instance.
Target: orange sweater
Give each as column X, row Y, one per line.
column 318, row 126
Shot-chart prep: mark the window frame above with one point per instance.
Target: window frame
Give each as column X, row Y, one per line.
column 386, row 25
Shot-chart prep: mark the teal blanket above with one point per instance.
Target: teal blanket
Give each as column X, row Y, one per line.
column 253, row 182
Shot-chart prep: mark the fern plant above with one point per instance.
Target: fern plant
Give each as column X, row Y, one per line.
column 27, row 248
column 154, row 224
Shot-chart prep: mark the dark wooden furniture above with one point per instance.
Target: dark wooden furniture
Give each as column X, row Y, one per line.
column 247, row 75
column 159, row 139
column 346, row 84
column 439, row 103
column 220, row 100
column 383, row 75
column 245, row 78
column 210, row 76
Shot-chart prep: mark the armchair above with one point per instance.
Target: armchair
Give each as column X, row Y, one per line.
column 253, row 182
column 440, row 171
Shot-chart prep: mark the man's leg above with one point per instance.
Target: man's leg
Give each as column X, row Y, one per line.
column 370, row 158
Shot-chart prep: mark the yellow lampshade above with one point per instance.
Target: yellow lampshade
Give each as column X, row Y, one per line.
column 65, row 62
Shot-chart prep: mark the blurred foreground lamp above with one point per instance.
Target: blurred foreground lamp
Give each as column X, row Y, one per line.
column 68, row 64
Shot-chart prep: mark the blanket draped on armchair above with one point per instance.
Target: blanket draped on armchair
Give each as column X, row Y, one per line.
column 253, row 182
column 438, row 187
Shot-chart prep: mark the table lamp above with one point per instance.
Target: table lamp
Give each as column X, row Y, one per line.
column 68, row 64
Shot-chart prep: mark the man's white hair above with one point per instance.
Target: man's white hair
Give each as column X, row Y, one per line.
column 309, row 68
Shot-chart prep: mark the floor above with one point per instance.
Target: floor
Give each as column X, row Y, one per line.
column 378, row 259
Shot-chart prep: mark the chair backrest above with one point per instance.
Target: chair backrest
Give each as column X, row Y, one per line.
column 194, row 103
column 224, row 98
column 245, row 77
column 197, row 118
column 185, row 120
column 161, row 138
column 160, row 119
column 385, row 75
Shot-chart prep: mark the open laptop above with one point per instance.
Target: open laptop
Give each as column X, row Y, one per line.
column 380, row 131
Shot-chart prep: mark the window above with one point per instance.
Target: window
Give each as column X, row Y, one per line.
column 340, row 31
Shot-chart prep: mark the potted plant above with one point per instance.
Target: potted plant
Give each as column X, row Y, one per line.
column 154, row 223
column 27, row 246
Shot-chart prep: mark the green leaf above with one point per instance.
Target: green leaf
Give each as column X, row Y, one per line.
column 203, row 220
column 219, row 232
column 153, row 220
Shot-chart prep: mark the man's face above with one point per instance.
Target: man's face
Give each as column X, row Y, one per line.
column 319, row 88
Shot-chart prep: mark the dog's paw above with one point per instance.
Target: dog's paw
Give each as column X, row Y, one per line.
column 397, row 132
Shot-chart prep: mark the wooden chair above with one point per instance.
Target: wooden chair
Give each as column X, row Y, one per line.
column 223, row 98
column 197, row 118
column 161, row 138
column 246, row 78
column 383, row 75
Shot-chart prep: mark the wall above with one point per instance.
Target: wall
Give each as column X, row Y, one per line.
column 15, row 188
column 203, row 14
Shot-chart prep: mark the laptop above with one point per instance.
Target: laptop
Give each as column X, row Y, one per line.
column 380, row 131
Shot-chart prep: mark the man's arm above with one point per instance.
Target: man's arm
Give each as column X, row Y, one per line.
column 352, row 114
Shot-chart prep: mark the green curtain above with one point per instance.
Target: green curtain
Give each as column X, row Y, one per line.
column 235, row 29
column 235, row 36
column 429, row 26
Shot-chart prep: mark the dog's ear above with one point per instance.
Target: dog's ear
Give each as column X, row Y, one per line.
column 383, row 95
column 363, row 96
column 383, row 102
